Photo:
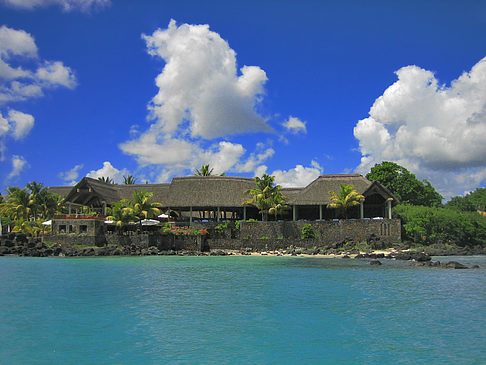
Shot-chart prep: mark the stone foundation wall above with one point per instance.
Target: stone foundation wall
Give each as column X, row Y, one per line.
column 328, row 232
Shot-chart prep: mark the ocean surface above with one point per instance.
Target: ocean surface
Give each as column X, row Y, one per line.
column 240, row 310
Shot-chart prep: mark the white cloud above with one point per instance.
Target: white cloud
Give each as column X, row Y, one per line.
column 55, row 73
column 20, row 84
column 72, row 175
column 16, row 43
column 18, row 164
column 67, row 5
column 295, row 125
column 436, row 131
column 299, row 176
column 201, row 99
column 17, row 83
column 109, row 171
column 199, row 84
column 22, row 123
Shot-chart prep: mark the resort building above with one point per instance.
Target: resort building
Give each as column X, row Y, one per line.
column 215, row 198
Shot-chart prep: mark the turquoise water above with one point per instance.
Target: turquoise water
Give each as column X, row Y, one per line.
column 239, row 310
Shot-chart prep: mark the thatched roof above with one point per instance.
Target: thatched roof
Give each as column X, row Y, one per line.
column 214, row 191
column 89, row 190
column 209, row 191
column 160, row 191
column 60, row 190
column 317, row 192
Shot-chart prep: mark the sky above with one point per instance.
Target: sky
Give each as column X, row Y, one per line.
column 296, row 89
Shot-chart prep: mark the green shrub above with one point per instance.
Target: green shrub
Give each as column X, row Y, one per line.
column 264, row 238
column 308, row 231
column 428, row 226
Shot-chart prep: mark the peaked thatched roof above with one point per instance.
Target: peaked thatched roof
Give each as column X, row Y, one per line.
column 317, row 192
column 160, row 191
column 209, row 191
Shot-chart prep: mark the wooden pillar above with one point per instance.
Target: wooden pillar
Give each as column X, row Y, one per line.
column 219, row 212
column 389, row 206
column 104, row 208
column 244, row 213
column 294, row 212
column 320, row 212
column 361, row 210
column 190, row 215
column 69, row 208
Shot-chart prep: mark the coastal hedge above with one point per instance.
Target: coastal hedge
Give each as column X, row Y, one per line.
column 427, row 225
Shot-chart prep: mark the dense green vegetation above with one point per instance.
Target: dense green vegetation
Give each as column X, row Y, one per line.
column 472, row 202
column 429, row 225
column 424, row 219
column 25, row 209
column 406, row 187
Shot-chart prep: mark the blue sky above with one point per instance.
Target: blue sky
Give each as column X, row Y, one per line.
column 291, row 88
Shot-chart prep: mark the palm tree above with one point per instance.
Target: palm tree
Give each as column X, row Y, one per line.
column 107, row 180
column 18, row 205
column 204, row 171
column 266, row 196
column 129, row 180
column 142, row 208
column 279, row 205
column 121, row 214
column 348, row 197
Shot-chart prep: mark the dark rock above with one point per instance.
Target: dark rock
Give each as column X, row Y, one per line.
column 9, row 243
column 21, row 238
column 475, row 267
column 346, row 257
column 375, row 262
column 454, row 265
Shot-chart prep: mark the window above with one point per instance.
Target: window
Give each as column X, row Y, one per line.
column 62, row 228
column 71, row 228
column 83, row 228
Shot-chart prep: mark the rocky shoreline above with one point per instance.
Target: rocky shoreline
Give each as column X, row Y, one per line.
column 22, row 245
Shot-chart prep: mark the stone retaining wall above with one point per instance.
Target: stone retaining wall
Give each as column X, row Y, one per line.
column 387, row 231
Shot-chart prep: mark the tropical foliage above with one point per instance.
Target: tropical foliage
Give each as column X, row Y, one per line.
column 205, row 170
column 267, row 196
column 347, row 197
column 406, row 187
column 471, row 202
column 430, row 225
column 26, row 208
column 107, row 180
column 129, row 180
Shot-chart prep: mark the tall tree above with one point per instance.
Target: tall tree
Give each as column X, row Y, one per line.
column 406, row 187
column 142, row 207
column 347, row 197
column 266, row 196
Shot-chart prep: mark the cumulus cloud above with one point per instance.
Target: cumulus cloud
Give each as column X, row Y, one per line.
column 19, row 83
column 109, row 171
column 72, row 175
column 202, row 97
column 295, row 125
column 436, row 131
column 299, row 176
column 199, row 84
column 18, row 164
column 67, row 5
